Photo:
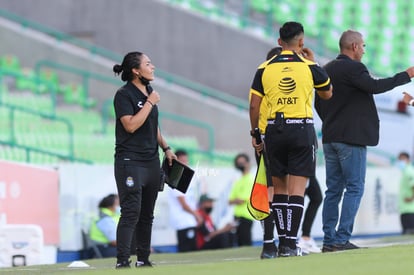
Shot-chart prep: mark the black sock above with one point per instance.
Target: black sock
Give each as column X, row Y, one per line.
column 294, row 217
column 268, row 227
column 279, row 206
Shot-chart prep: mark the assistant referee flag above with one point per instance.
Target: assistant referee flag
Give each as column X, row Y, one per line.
column 258, row 204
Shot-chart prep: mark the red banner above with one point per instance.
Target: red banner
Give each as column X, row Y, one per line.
column 30, row 195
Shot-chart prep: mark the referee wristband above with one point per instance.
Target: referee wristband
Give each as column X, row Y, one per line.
column 411, row 103
column 166, row 149
column 152, row 104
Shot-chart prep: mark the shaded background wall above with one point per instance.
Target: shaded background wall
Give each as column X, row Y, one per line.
column 176, row 40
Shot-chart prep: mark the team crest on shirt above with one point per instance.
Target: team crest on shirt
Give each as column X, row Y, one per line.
column 140, row 104
column 130, row 181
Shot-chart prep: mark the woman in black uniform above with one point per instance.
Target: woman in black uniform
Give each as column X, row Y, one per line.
column 137, row 163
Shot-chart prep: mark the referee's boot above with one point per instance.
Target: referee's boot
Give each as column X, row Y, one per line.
column 123, row 264
column 269, row 251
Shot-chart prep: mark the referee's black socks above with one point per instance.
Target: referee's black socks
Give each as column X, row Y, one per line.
column 269, row 227
column 279, row 206
column 294, row 217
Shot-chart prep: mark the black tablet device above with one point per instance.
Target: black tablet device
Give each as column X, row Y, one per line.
column 178, row 176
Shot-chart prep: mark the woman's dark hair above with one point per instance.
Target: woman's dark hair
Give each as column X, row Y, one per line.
column 131, row 60
column 108, row 201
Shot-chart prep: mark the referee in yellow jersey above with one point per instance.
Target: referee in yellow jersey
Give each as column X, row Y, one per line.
column 287, row 82
column 269, row 250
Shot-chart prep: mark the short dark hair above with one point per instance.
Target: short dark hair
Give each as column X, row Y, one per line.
column 404, row 154
column 290, row 30
column 241, row 155
column 181, row 152
column 131, row 60
column 108, row 201
column 274, row 51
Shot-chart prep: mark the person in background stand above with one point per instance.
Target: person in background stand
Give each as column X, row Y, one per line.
column 239, row 197
column 207, row 235
column 184, row 217
column 406, row 193
column 103, row 229
column 137, row 162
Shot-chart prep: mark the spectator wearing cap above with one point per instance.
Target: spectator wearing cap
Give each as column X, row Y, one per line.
column 207, row 236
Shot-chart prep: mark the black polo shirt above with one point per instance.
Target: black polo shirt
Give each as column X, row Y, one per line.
column 141, row 145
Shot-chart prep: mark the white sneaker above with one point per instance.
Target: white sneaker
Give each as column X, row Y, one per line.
column 309, row 246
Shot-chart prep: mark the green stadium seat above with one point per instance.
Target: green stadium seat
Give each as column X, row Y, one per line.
column 325, row 19
column 74, row 93
column 27, row 80
column 331, row 40
column 313, row 14
column 261, row 6
column 10, row 63
column 49, row 82
column 3, row 89
column 282, row 12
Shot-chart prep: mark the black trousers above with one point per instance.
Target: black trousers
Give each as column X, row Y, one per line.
column 407, row 223
column 244, row 231
column 222, row 240
column 107, row 251
column 187, row 239
column 138, row 187
column 313, row 191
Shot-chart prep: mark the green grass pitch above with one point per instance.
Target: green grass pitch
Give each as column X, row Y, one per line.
column 391, row 256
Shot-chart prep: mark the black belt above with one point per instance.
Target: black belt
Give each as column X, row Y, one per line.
column 293, row 121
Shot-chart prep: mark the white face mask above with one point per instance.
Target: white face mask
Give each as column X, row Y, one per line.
column 118, row 210
column 401, row 164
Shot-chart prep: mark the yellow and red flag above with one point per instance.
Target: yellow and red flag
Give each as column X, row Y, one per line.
column 258, row 204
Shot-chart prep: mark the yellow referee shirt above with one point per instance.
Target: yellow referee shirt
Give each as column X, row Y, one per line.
column 286, row 83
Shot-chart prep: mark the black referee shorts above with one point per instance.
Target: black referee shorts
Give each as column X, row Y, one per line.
column 291, row 149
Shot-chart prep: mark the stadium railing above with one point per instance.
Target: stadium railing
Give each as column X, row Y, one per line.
column 36, row 81
column 107, row 110
column 12, row 140
column 107, row 105
column 93, row 49
column 85, row 75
